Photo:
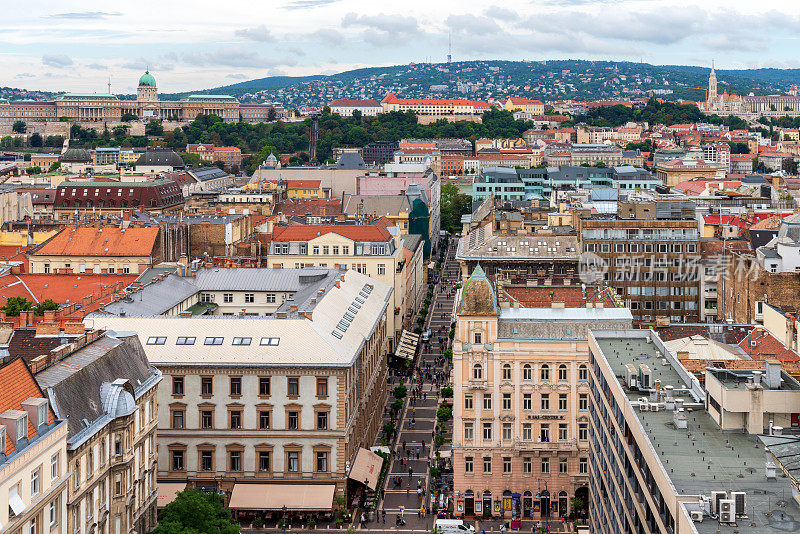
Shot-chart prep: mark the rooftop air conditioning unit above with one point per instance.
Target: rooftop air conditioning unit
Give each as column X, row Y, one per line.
column 655, row 407
column 644, row 405
column 739, row 498
column 727, row 511
column 645, row 376
column 716, row 498
column 631, row 376
column 696, row 515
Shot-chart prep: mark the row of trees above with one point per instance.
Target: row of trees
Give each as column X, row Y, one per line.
column 34, row 141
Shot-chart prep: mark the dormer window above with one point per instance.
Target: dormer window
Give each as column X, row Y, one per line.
column 2, row 439
column 42, row 413
column 22, row 427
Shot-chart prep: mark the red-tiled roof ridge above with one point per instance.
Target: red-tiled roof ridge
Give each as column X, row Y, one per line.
column 106, row 241
column 356, row 232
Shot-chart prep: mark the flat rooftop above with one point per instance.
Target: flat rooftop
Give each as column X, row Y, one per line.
column 701, row 458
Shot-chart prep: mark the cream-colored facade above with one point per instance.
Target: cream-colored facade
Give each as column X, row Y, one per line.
column 33, row 474
column 88, row 264
column 268, row 401
column 521, row 404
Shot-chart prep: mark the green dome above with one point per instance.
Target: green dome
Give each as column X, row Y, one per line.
column 147, row 79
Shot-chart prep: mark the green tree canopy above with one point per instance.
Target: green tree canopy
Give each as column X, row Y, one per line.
column 19, row 127
column 45, row 305
column 453, row 205
column 14, row 305
column 195, row 512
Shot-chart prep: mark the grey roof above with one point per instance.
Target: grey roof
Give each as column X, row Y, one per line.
column 381, row 205
column 481, row 245
column 351, row 161
column 566, row 314
column 152, row 273
column 161, row 157
column 204, row 174
column 604, row 193
column 154, row 298
column 85, row 387
column 252, row 279
column 76, row 155
column 411, row 241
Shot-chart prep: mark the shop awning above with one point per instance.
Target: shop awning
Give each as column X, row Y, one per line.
column 407, row 346
column 167, row 491
column 366, row 468
column 308, row 497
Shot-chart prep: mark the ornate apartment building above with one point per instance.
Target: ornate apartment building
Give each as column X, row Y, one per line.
column 521, row 404
column 106, row 390
column 106, row 107
column 251, row 405
column 33, row 456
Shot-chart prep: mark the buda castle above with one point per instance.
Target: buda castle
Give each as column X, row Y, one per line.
column 107, row 107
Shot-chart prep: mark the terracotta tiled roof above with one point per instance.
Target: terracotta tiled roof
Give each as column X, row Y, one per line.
column 64, row 288
column 392, row 99
column 356, row 232
column 100, row 242
column 303, row 184
column 571, row 296
column 524, row 101
column 314, row 206
column 16, row 386
column 24, row 344
column 761, row 345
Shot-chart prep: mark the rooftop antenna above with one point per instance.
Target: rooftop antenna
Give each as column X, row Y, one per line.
column 449, row 47
column 109, row 85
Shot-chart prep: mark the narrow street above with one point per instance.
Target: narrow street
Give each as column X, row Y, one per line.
column 412, row 451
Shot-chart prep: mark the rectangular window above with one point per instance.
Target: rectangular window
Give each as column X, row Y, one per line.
column 322, row 387
column 206, row 386
column 236, row 386
column 214, row 341
column 583, row 431
column 545, row 402
column 322, row 461
column 562, row 401
column 507, row 401
column 468, row 432
column 315, row 250
column 236, row 419
column 177, row 419
column 55, row 470
column 468, row 402
column 293, row 462
column 346, row 249
column 487, row 401
column 227, row 297
column 177, row 460
column 562, row 466
column 527, row 401
column 249, row 297
column 468, row 465
column 527, row 465
column 206, row 461
column 235, row 460
column 292, row 420
column 322, row 420
column 242, row 341
column 545, row 466
column 264, row 463
column 270, row 341
column 583, row 401
column 293, row 386
column 264, row 386
column 156, row 340
column 206, row 419
column 264, row 419
column 270, row 298
column 36, row 476
column 381, row 268
column 487, row 465
column 506, row 465
column 487, row 431
column 177, row 385
column 527, row 431
column 583, row 466
column 563, row 432
column 53, row 514
column 185, row 341
column 506, row 432
column 544, row 433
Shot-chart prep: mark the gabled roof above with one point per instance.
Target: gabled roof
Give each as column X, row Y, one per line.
column 356, row 232
column 16, row 386
column 100, row 242
column 303, row 184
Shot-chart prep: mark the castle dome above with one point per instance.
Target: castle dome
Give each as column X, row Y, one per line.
column 147, row 79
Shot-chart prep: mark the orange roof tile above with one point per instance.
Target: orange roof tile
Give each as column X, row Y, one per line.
column 356, row 232
column 392, row 99
column 16, row 386
column 366, row 103
column 64, row 288
column 100, row 242
column 303, row 184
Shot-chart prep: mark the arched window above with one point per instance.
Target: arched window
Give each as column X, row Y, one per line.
column 477, row 372
column 562, row 372
column 583, row 373
column 506, row 372
column 527, row 372
column 544, row 373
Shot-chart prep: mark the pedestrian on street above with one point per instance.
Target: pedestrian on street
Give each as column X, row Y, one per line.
column 404, row 445
column 383, row 515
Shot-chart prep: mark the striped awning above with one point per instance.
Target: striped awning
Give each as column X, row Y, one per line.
column 407, row 346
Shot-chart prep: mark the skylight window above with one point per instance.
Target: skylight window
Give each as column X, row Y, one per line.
column 270, row 341
column 185, row 341
column 340, row 327
column 214, row 341
column 349, row 317
column 352, row 310
column 357, row 305
column 156, row 340
column 242, row 340
column 359, row 300
column 337, row 335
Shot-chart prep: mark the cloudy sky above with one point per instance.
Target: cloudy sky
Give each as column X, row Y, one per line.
column 77, row 46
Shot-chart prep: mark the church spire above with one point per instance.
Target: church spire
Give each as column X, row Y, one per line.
column 712, row 84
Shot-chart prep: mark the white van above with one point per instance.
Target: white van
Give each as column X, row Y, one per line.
column 453, row 526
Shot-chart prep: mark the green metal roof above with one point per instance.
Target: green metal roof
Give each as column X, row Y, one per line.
column 88, row 95
column 201, row 308
column 147, row 79
column 210, row 97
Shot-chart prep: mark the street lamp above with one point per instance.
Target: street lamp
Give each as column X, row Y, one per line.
column 284, row 517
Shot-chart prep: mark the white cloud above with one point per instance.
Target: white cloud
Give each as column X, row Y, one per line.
column 57, row 60
column 258, row 33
